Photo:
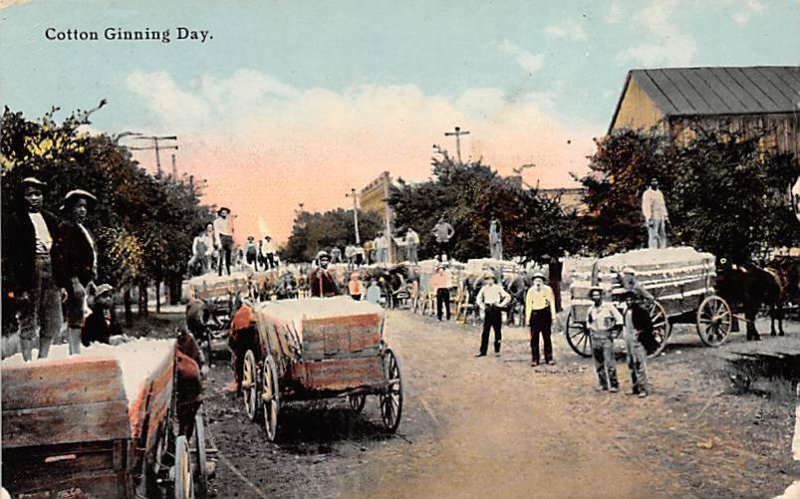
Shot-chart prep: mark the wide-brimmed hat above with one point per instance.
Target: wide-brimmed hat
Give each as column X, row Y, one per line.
column 32, row 181
column 323, row 254
column 629, row 271
column 103, row 289
column 441, row 266
column 223, row 208
column 76, row 194
column 538, row 275
column 596, row 288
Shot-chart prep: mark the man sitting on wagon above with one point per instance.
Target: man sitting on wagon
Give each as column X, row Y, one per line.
column 321, row 281
column 242, row 338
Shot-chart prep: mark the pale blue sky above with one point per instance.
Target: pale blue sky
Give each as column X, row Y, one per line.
column 443, row 47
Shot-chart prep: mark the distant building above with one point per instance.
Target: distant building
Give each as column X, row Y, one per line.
column 758, row 101
column 374, row 197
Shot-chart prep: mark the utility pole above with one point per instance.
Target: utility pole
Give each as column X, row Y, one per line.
column 174, row 168
column 457, row 134
column 355, row 212
column 156, row 146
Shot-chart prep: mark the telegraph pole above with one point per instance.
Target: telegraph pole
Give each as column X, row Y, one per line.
column 174, row 168
column 156, row 147
column 355, row 212
column 457, row 134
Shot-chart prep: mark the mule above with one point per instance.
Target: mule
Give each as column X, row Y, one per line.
column 749, row 287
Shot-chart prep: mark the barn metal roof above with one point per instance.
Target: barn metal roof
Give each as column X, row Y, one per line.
column 719, row 90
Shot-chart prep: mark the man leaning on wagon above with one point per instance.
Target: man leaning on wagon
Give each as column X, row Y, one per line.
column 28, row 235
column 77, row 261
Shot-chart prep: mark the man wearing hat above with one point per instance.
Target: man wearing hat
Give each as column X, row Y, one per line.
column 223, row 233
column 491, row 300
column 637, row 326
column 77, row 261
column 28, row 268
column 630, row 284
column 443, row 232
column 412, row 242
column 321, row 281
column 540, row 313
column 603, row 318
column 655, row 213
column 440, row 283
column 102, row 323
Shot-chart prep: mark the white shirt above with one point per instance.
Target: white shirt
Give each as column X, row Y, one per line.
column 494, row 294
column 412, row 237
column 91, row 243
column 653, row 205
column 44, row 241
column 222, row 226
column 267, row 247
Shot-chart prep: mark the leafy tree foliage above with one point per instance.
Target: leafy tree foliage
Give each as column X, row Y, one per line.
column 143, row 224
column 725, row 193
column 313, row 232
column 469, row 195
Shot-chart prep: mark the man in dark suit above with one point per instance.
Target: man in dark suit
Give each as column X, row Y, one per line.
column 102, row 323
column 28, row 264
column 321, row 281
column 76, row 268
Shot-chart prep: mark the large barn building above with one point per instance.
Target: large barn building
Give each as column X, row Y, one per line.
column 759, row 101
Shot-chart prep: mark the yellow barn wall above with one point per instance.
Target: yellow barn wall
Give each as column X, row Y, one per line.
column 637, row 110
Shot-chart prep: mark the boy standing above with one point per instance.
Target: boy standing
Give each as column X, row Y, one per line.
column 602, row 319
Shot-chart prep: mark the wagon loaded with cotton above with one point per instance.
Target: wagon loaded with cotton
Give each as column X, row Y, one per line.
column 680, row 279
column 315, row 348
column 100, row 424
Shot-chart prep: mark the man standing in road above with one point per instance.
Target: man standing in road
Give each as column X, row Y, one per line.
column 443, row 232
column 28, row 265
column 637, row 323
column 540, row 314
column 412, row 243
column 223, row 234
column 491, row 300
column 76, row 262
column 440, row 283
column 655, row 215
column 321, row 281
column 603, row 318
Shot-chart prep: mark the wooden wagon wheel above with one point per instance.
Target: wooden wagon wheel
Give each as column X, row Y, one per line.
column 201, row 464
column 661, row 327
column 714, row 321
column 578, row 336
column 250, row 386
column 184, row 486
column 270, row 397
column 391, row 401
column 357, row 401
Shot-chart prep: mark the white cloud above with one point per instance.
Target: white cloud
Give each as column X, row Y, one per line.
column 749, row 9
column 529, row 61
column 265, row 146
column 667, row 44
column 572, row 30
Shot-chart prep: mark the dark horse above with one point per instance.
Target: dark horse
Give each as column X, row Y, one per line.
column 749, row 287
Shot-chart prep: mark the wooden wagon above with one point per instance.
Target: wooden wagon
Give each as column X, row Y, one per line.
column 680, row 279
column 74, row 427
column 318, row 348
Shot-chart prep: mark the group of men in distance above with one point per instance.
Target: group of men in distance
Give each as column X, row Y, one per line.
column 213, row 248
column 50, row 269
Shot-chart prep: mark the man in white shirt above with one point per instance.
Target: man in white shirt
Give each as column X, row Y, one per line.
column 655, row 213
column 603, row 320
column 29, row 265
column 223, row 233
column 491, row 299
column 412, row 243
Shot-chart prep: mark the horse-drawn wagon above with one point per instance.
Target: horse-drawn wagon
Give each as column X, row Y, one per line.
column 318, row 348
column 681, row 281
column 101, row 424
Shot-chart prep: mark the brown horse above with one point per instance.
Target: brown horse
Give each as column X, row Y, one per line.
column 749, row 287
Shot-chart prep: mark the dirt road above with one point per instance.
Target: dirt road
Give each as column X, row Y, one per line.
column 494, row 426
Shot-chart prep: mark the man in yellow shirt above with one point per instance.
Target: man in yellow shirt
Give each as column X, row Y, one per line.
column 540, row 313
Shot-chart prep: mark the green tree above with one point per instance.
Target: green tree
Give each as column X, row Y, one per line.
column 313, row 232
column 724, row 193
column 469, row 195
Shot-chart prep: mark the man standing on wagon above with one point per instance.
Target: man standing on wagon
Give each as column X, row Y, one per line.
column 77, row 266
column 223, row 234
column 28, row 265
column 655, row 215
